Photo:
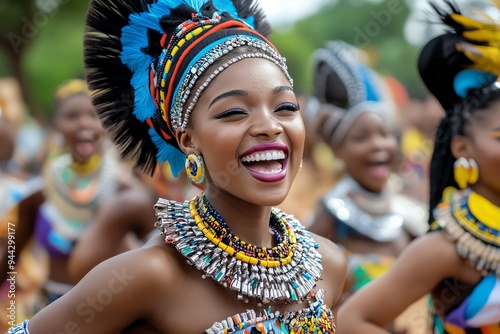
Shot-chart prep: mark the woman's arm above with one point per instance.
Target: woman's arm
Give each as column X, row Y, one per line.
column 418, row 270
column 334, row 271
column 129, row 212
column 113, row 295
column 21, row 232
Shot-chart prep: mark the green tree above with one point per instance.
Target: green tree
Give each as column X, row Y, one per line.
column 41, row 45
column 374, row 26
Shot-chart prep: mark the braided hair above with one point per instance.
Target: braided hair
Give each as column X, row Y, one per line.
column 453, row 124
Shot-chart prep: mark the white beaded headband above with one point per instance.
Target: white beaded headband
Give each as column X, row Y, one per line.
column 179, row 120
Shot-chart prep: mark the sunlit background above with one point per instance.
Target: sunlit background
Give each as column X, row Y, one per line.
column 41, row 41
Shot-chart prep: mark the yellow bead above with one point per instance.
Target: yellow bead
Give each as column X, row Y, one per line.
column 230, row 250
column 245, row 258
column 174, row 50
column 168, row 65
column 197, row 31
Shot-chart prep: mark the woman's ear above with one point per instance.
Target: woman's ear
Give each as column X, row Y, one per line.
column 185, row 141
column 460, row 146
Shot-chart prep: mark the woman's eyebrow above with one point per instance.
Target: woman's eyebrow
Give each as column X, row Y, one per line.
column 225, row 95
column 280, row 89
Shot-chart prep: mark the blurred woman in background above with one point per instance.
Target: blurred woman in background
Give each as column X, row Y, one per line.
column 458, row 261
column 77, row 178
column 355, row 117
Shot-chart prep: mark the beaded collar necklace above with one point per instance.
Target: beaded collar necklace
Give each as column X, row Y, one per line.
column 219, row 227
column 287, row 272
column 477, row 238
column 77, row 197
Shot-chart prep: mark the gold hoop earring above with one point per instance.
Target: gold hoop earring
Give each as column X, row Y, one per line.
column 461, row 172
column 300, row 166
column 195, row 168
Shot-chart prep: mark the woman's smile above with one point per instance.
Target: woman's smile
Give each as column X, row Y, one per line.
column 266, row 162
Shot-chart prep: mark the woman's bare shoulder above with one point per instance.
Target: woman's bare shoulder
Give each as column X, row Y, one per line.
column 328, row 248
column 334, row 267
column 151, row 264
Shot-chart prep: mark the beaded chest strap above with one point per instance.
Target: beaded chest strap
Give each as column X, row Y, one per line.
column 287, row 272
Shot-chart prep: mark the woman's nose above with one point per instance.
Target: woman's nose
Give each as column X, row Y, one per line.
column 266, row 124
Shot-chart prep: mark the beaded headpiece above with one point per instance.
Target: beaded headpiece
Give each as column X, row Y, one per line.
column 343, row 80
column 69, row 88
column 460, row 68
column 147, row 63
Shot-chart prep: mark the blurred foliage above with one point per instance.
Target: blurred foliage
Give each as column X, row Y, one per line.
column 51, row 48
column 45, row 38
column 374, row 26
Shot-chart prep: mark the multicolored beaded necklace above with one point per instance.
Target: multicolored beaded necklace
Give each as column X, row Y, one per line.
column 315, row 319
column 219, row 227
column 74, row 193
column 287, row 272
column 473, row 223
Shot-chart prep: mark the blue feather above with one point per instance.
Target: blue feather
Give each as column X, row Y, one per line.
column 168, row 153
column 250, row 21
column 134, row 38
column 226, row 6
column 371, row 89
column 470, row 79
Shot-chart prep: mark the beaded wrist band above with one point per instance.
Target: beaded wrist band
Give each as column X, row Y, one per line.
column 21, row 328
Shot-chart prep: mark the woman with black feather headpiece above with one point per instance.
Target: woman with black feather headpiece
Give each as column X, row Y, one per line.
column 195, row 83
column 458, row 261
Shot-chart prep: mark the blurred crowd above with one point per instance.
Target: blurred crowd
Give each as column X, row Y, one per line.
column 72, row 202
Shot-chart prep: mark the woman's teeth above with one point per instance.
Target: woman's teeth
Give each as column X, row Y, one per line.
column 266, row 156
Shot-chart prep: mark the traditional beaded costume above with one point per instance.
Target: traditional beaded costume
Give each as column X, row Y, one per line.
column 472, row 222
column 353, row 89
column 155, row 53
column 461, row 69
column 287, row 272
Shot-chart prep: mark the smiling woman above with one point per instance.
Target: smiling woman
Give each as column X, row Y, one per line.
column 353, row 116
column 458, row 261
column 75, row 184
column 251, row 123
column 201, row 87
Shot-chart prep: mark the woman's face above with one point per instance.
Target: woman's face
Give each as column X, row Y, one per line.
column 369, row 151
column 76, row 119
column 248, row 127
column 484, row 147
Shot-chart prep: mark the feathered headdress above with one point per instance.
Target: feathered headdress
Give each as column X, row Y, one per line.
column 144, row 58
column 341, row 78
column 469, row 51
column 460, row 68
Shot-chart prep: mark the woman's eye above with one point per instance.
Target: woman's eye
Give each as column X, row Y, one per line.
column 288, row 107
column 230, row 112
